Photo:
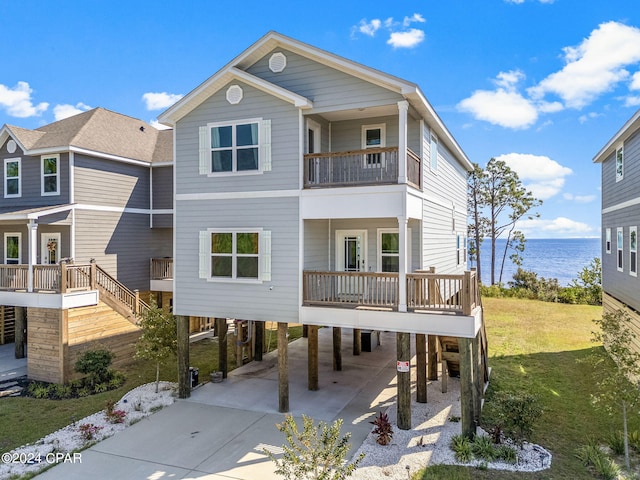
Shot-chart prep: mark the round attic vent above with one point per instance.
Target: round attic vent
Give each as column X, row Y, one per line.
column 277, row 62
column 11, row 146
column 234, row 94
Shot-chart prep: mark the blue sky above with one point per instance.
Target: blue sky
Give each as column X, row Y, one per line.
column 542, row 84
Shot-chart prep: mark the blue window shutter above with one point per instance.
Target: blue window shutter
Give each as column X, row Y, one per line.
column 265, row 255
column 265, row 146
column 205, row 151
column 205, row 254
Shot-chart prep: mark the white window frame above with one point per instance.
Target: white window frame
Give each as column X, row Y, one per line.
column 383, row 142
column 619, row 158
column 48, row 175
column 433, row 154
column 633, row 252
column 13, row 234
column 234, row 148
column 19, row 177
column 607, row 241
column 379, row 247
column 620, row 249
column 234, row 255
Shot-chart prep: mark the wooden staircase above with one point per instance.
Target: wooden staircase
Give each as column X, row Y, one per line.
column 7, row 324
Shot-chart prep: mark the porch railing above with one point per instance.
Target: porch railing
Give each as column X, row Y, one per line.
column 369, row 166
column 425, row 291
column 161, row 268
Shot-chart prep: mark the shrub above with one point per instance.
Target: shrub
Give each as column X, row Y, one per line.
column 383, row 429
column 482, row 447
column 517, row 413
column 616, row 443
column 88, row 431
column 461, row 446
column 634, row 440
column 592, row 456
column 111, row 414
column 506, row 454
column 95, row 364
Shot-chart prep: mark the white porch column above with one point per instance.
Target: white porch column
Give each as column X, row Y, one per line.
column 402, row 264
column 403, row 107
column 32, row 258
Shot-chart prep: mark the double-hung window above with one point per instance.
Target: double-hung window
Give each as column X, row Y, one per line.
column 12, row 248
column 50, row 169
column 633, row 251
column 239, row 255
column 242, row 146
column 373, row 136
column 607, row 242
column 389, row 251
column 619, row 163
column 12, row 181
column 620, row 247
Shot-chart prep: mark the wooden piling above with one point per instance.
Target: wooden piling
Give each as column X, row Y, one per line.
column 259, row 341
column 283, row 368
column 182, row 334
column 403, row 346
column 468, row 423
column 357, row 341
column 432, row 364
column 312, row 352
column 337, row 349
column 222, row 328
column 421, row 368
column 20, row 329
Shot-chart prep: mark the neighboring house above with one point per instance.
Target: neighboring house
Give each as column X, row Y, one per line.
column 312, row 189
column 620, row 160
column 93, row 189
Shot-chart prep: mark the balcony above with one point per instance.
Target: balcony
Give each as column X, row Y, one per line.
column 161, row 274
column 373, row 166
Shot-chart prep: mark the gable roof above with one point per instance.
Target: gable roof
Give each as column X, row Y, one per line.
column 628, row 129
column 236, row 69
column 98, row 132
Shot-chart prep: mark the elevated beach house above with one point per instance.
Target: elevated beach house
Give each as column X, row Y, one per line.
column 312, row 189
column 85, row 205
column 620, row 161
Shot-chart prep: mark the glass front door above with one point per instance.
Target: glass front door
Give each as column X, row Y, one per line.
column 50, row 248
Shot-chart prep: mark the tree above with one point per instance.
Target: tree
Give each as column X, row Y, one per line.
column 158, row 341
column 617, row 388
column 589, row 283
column 315, row 453
column 498, row 200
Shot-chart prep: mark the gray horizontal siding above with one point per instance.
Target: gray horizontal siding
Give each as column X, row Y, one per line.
column 162, row 187
column 275, row 300
column 65, row 239
column 347, row 135
column 285, row 151
column 110, row 183
column 328, row 88
column 163, row 220
column 626, row 189
column 316, row 245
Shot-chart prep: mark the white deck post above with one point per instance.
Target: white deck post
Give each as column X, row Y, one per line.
column 32, row 258
column 403, row 107
column 402, row 264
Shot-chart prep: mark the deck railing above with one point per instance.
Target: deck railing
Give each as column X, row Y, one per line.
column 14, row 277
column 161, row 268
column 369, row 166
column 425, row 291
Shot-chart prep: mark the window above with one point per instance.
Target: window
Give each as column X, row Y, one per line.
column 619, row 164
column 620, row 244
column 460, row 250
column 235, row 147
column 633, row 251
column 389, row 252
column 434, row 153
column 50, row 174
column 241, row 255
column 373, row 136
column 12, row 248
column 607, row 242
column 12, row 182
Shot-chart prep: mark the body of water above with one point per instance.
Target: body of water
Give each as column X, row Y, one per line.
column 560, row 258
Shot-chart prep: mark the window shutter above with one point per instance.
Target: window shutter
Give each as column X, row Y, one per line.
column 205, row 150
column 205, row 254
column 265, row 254
column 265, row 146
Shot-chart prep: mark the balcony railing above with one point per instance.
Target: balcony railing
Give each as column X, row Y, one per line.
column 372, row 166
column 161, row 268
column 425, row 291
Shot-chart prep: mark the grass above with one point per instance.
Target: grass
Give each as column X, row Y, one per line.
column 26, row 420
column 538, row 347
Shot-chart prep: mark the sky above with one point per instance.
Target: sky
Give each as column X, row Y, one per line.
column 540, row 84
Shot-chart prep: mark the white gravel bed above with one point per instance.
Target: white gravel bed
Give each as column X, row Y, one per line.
column 427, row 443
column 59, row 446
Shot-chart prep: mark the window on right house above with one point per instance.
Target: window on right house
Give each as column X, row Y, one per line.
column 620, row 246
column 619, row 164
column 608, row 240
column 633, row 251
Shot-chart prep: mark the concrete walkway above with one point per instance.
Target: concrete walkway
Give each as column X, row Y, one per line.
column 10, row 366
column 220, row 432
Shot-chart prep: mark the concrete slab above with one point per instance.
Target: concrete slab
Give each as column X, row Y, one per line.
column 10, row 366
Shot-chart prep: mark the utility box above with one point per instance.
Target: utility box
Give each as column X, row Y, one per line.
column 194, row 374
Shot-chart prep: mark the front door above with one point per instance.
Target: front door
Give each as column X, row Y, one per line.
column 50, row 248
column 351, row 256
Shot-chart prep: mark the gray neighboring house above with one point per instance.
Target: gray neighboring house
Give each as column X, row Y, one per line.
column 312, row 189
column 620, row 160
column 95, row 186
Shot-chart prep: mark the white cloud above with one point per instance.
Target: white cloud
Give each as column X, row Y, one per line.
column 369, row 28
column 158, row 101
column 415, row 18
column 559, row 226
column 543, row 176
column 408, row 39
column 17, row 101
column 157, row 125
column 593, row 67
column 65, row 111
column 632, row 101
column 579, row 198
column 635, row 81
column 500, row 107
column 588, row 116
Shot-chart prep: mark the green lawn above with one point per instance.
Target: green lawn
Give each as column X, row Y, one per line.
column 25, row 420
column 538, row 347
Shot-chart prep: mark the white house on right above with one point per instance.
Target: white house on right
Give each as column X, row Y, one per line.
column 620, row 160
